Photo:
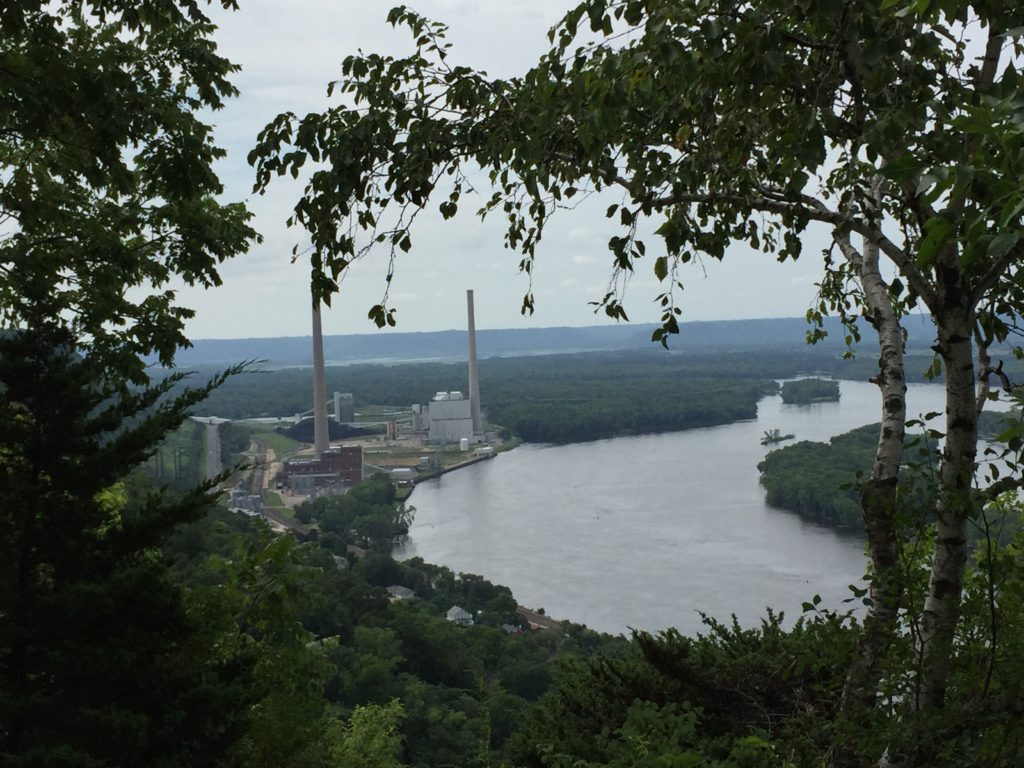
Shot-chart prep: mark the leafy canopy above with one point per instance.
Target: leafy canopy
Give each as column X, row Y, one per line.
column 108, row 191
column 724, row 122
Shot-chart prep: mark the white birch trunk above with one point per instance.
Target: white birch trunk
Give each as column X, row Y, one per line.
column 953, row 505
column 878, row 499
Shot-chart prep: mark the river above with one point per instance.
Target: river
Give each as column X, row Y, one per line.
column 649, row 531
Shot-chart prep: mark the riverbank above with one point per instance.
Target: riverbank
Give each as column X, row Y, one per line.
column 445, row 470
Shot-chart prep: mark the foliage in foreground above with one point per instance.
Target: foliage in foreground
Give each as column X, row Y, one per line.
column 109, row 196
column 101, row 661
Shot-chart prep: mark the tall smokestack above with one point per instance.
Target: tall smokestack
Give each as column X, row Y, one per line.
column 320, row 441
column 474, row 382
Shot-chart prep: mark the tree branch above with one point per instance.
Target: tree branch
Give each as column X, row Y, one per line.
column 999, row 487
column 998, row 270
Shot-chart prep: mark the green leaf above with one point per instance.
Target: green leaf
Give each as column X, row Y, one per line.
column 1001, row 244
column 927, row 180
column 1010, row 434
column 661, row 267
column 938, row 230
column 1012, row 212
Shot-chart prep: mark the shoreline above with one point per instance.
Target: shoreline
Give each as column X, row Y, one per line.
column 452, row 468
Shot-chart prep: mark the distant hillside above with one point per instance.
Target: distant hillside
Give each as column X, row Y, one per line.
column 392, row 346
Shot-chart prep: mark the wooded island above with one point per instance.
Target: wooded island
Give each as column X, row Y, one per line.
column 804, row 391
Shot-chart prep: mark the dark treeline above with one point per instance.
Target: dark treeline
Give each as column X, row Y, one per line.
column 502, row 380
column 553, row 398
column 818, row 480
column 629, row 391
column 579, row 410
column 803, row 391
column 585, row 397
column 179, row 463
column 234, row 442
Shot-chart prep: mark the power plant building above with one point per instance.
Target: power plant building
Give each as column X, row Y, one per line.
column 341, row 465
column 451, row 419
column 344, row 408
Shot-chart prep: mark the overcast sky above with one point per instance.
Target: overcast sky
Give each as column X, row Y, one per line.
column 288, row 52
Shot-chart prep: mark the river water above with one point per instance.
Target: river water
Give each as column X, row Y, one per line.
column 647, row 532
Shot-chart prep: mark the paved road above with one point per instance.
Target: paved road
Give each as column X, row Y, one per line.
column 537, row 620
column 276, row 515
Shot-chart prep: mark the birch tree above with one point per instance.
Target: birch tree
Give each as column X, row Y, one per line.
column 895, row 129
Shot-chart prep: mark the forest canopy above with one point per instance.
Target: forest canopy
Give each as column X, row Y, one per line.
column 818, row 481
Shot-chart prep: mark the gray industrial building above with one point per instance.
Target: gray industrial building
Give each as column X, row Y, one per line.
column 344, row 408
column 450, row 416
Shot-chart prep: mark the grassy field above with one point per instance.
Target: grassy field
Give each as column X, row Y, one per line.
column 282, row 446
column 272, row 499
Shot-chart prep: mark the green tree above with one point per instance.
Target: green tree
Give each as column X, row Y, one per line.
column 100, row 661
column 370, row 738
column 107, row 195
column 730, row 122
column 108, row 185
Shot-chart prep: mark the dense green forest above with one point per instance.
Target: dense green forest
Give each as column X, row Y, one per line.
column 561, row 398
column 504, row 381
column 285, row 392
column 554, row 398
column 311, row 638
column 818, row 480
column 803, row 391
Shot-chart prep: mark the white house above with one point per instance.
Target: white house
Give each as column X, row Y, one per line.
column 459, row 616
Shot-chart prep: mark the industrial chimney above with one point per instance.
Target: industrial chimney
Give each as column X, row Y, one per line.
column 320, row 434
column 474, row 382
